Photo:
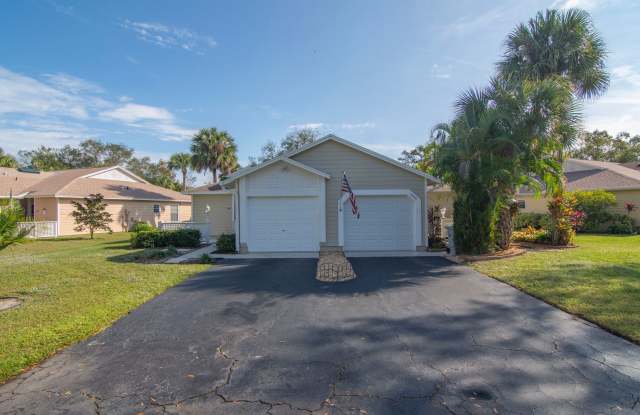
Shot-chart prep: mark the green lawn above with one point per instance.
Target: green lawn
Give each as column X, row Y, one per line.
column 599, row 280
column 72, row 288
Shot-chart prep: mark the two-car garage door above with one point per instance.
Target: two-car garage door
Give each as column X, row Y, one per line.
column 387, row 222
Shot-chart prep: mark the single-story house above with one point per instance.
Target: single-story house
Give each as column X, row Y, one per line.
column 295, row 202
column 621, row 180
column 47, row 196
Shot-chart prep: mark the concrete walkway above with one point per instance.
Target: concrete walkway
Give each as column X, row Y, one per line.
column 195, row 254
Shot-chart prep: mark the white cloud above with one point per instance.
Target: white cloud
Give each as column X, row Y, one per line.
column 24, row 95
column 357, row 126
column 72, row 84
column 170, row 37
column 310, row 125
column 441, row 72
column 132, row 113
column 619, row 109
column 64, row 109
column 580, row 4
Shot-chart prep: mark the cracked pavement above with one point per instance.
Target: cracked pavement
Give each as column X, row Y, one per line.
column 408, row 336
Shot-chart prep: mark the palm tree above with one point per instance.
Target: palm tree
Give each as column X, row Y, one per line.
column 558, row 43
column 182, row 162
column 7, row 160
column 213, row 151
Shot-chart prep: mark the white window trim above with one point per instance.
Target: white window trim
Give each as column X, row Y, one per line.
column 417, row 221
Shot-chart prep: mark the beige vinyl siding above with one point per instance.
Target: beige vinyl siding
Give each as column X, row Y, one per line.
column 219, row 217
column 124, row 213
column 363, row 171
column 632, row 196
column 45, row 208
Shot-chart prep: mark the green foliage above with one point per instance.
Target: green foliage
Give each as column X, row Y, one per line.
column 226, row 243
column 7, row 160
column 532, row 235
column 421, row 157
column 205, row 259
column 599, row 145
column 214, row 151
column 181, row 238
column 292, row 141
column 621, row 224
column 141, row 227
column 92, row 214
column 158, row 173
column 10, row 215
column 595, row 204
column 562, row 208
column 181, row 162
column 525, row 220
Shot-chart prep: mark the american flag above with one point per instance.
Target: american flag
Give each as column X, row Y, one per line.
column 352, row 198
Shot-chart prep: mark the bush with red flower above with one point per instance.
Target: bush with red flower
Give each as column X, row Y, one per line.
column 564, row 218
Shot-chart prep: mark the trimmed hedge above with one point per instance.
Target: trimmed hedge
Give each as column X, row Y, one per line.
column 181, row 238
column 142, row 227
column 524, row 220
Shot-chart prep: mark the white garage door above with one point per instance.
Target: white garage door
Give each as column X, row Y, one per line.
column 279, row 224
column 386, row 223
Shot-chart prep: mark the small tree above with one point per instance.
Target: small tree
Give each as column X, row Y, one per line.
column 10, row 233
column 92, row 214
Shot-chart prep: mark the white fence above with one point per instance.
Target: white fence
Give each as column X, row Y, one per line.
column 201, row 226
column 41, row 229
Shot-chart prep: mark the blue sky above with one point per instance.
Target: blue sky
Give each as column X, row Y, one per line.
column 380, row 73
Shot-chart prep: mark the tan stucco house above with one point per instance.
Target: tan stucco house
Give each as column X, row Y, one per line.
column 47, row 196
column 621, row 180
column 295, row 202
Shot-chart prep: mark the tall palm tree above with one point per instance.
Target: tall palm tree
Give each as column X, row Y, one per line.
column 182, row 162
column 558, row 43
column 212, row 150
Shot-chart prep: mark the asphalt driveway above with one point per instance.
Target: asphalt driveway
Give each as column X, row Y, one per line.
column 409, row 336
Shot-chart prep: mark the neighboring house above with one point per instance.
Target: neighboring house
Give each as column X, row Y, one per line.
column 47, row 196
column 618, row 179
column 295, row 203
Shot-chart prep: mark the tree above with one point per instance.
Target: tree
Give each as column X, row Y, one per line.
column 181, row 162
column 557, row 43
column 292, row 141
column 7, row 160
column 213, row 151
column 92, row 214
column 89, row 153
column 10, row 233
column 421, row 157
column 158, row 173
column 601, row 146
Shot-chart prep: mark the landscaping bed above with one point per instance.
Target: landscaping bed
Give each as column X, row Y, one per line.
column 71, row 288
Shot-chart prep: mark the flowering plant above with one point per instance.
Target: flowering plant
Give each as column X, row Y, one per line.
column 629, row 206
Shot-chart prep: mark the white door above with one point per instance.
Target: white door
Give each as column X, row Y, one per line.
column 279, row 224
column 387, row 223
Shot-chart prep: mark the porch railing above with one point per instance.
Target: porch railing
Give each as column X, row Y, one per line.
column 40, row 229
column 203, row 227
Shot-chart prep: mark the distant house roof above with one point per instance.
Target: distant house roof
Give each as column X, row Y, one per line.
column 215, row 188
column 592, row 175
column 77, row 183
column 633, row 165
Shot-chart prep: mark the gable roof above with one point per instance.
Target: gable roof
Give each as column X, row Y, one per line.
column 284, row 158
column 78, row 183
column 208, row 189
column 287, row 159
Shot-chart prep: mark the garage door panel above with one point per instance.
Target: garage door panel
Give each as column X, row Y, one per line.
column 386, row 223
column 283, row 224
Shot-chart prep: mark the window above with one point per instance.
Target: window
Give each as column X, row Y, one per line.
column 174, row 213
column 156, row 208
column 521, row 204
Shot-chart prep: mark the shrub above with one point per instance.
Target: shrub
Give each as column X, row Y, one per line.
column 10, row 233
column 532, row 235
column 564, row 219
column 621, row 224
column 226, row 243
column 595, row 205
column 523, row 220
column 141, row 227
column 181, row 238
